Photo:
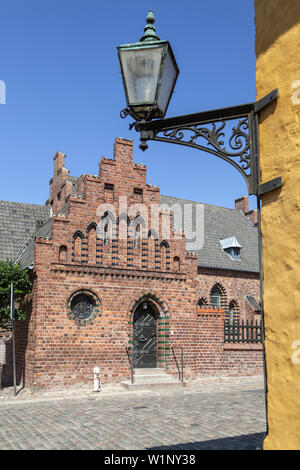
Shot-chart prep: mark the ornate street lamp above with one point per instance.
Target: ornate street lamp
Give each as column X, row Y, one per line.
column 149, row 73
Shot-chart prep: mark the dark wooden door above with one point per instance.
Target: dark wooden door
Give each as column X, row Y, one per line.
column 144, row 337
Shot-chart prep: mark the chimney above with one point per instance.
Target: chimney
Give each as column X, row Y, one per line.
column 242, row 204
column 252, row 216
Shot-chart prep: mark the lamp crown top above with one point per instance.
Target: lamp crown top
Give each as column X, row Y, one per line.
column 149, row 30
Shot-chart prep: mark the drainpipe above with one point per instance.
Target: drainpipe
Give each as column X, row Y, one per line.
column 12, row 317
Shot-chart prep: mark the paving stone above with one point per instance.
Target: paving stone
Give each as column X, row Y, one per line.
column 231, row 419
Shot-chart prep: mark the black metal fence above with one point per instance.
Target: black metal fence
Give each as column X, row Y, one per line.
column 237, row 331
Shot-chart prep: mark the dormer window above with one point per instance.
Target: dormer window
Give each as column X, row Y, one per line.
column 232, row 247
column 234, row 253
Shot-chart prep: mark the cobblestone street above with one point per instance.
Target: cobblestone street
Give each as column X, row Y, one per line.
column 228, row 418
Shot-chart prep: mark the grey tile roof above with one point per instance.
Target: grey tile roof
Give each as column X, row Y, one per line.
column 26, row 256
column 220, row 223
column 17, row 225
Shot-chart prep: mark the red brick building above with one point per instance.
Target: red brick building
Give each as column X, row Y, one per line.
column 115, row 264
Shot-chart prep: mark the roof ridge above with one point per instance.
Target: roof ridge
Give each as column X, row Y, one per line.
column 24, row 203
column 198, row 202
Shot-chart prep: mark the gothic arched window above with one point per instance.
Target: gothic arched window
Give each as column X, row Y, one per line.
column 215, row 297
column 218, row 297
column 137, row 235
column 106, row 237
column 233, row 311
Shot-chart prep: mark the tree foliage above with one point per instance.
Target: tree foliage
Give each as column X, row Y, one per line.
column 10, row 272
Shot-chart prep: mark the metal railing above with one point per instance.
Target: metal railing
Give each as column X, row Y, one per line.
column 244, row 331
column 129, row 351
column 180, row 369
column 130, row 359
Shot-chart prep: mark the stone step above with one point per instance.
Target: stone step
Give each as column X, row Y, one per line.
column 152, row 379
column 163, row 386
column 155, row 378
column 148, row 371
column 148, row 375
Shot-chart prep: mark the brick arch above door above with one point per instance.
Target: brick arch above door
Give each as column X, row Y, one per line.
column 154, row 298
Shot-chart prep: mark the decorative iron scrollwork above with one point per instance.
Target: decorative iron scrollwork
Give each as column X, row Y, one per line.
column 138, row 117
column 231, row 138
column 213, row 139
column 142, row 339
column 229, row 133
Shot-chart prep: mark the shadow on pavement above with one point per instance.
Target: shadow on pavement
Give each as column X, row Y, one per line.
column 244, row 442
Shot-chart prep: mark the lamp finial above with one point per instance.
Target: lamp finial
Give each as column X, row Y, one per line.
column 149, row 30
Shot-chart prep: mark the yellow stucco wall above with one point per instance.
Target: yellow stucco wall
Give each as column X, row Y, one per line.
column 278, row 66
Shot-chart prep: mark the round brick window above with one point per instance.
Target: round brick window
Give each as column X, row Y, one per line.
column 83, row 307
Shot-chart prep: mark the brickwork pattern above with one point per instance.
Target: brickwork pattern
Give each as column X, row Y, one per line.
column 119, row 271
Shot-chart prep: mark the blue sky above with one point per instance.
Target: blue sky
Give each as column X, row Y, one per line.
column 64, row 90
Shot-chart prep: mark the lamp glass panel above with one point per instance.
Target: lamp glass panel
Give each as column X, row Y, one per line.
column 167, row 83
column 141, row 69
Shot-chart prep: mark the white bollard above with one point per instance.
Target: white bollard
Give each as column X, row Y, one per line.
column 96, row 378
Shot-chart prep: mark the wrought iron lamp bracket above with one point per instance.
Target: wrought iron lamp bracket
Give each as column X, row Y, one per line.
column 228, row 133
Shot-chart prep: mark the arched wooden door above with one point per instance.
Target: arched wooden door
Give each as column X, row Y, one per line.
column 144, row 336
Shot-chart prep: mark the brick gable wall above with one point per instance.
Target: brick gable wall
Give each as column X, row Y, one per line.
column 61, row 351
